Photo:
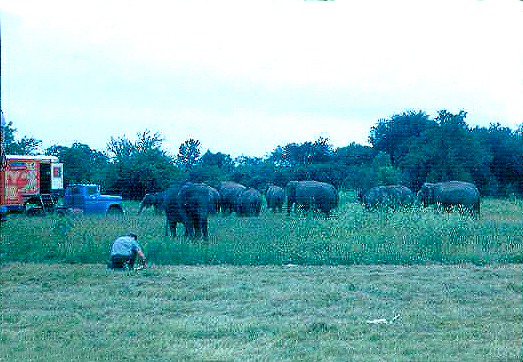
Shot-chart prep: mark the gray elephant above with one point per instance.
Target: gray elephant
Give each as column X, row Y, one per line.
column 171, row 205
column 307, row 194
column 451, row 193
column 214, row 200
column 275, row 197
column 152, row 199
column 392, row 196
column 248, row 202
column 194, row 200
column 229, row 191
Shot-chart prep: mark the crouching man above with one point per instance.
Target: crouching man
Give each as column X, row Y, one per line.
column 124, row 251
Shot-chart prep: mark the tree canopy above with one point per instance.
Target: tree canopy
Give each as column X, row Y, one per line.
column 24, row 146
column 408, row 148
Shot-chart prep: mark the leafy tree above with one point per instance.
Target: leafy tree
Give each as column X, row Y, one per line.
column 446, row 150
column 306, row 153
column 394, row 135
column 219, row 160
column 141, row 166
column 354, row 154
column 188, row 154
column 504, row 152
column 382, row 171
column 452, row 147
column 81, row 163
column 25, row 146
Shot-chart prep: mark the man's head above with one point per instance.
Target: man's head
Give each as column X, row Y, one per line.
column 133, row 236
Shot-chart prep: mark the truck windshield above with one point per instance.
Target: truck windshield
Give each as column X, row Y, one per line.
column 92, row 190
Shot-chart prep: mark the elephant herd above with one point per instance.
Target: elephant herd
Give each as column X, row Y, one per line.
column 191, row 203
column 446, row 194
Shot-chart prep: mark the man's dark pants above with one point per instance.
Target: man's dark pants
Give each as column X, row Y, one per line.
column 123, row 261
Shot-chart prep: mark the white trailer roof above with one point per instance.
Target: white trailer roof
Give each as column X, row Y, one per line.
column 36, row 158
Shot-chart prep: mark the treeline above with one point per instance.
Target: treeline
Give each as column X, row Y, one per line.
column 408, row 148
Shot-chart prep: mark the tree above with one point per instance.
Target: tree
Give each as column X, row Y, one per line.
column 394, row 135
column 188, row 154
column 354, row 154
column 219, row 160
column 26, row 146
column 453, row 148
column 503, row 149
column 446, row 150
column 382, row 171
column 139, row 167
column 82, row 164
column 307, row 153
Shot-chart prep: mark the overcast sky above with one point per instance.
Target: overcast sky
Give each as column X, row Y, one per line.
column 244, row 77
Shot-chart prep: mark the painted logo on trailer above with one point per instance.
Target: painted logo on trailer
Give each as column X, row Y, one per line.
column 21, row 181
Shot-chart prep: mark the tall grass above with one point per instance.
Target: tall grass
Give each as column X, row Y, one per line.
column 351, row 235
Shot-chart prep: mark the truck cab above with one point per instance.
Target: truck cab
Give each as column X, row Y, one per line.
column 89, row 199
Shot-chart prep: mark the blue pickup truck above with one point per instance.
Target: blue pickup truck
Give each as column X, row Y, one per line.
column 88, row 199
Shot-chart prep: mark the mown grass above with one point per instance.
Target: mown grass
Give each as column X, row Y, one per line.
column 242, row 296
column 351, row 236
column 85, row 312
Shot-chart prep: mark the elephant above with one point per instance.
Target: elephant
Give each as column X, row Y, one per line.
column 248, row 202
column 307, row 194
column 451, row 193
column 228, row 192
column 392, row 196
column 194, row 200
column 214, row 200
column 275, row 196
column 171, row 205
column 152, row 199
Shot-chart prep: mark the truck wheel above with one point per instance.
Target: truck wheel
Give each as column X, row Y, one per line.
column 114, row 210
column 34, row 212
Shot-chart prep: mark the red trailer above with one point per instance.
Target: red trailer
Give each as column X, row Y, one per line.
column 30, row 183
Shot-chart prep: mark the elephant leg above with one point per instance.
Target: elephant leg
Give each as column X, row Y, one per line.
column 204, row 229
column 170, row 228
column 197, row 228
column 189, row 227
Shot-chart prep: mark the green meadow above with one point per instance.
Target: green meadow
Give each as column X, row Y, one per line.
column 351, row 236
column 411, row 285
column 84, row 312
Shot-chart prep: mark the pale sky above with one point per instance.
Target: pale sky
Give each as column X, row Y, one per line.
column 246, row 76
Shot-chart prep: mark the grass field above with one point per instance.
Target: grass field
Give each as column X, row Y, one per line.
column 351, row 236
column 271, row 288
column 63, row 312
